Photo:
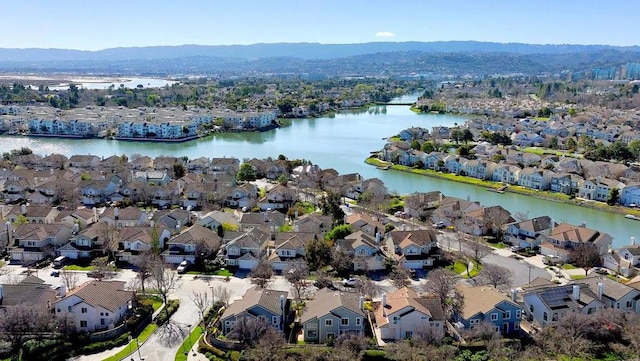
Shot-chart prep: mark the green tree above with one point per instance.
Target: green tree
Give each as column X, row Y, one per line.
column 553, row 143
column 246, row 172
column 415, row 145
column 330, row 205
column 317, row 254
column 457, row 135
column 467, row 136
column 614, row 194
column 634, row 148
column 178, row 170
column 428, row 147
column 339, row 232
column 571, row 144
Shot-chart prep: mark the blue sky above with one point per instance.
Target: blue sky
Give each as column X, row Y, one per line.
column 93, row 25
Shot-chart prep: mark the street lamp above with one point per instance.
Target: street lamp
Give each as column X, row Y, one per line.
column 186, row 352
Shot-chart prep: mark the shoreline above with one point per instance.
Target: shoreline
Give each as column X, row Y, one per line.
column 494, row 186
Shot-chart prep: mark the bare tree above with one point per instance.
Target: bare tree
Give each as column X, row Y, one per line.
column 220, row 294
column 269, row 347
column 110, row 236
column 631, row 332
column 352, row 345
column 441, row 283
column 495, row 276
column 585, row 256
column 400, row 276
column 144, row 264
column 478, row 250
column 297, row 274
column 568, row 336
column 21, row 323
column 164, row 281
column 521, row 216
column 341, row 261
column 69, row 278
column 262, row 273
column 249, row 330
column 202, row 302
column 367, row 288
column 427, row 335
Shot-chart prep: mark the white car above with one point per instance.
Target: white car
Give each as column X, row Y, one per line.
column 182, row 267
column 351, row 282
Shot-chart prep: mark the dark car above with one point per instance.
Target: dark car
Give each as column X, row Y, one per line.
column 55, row 273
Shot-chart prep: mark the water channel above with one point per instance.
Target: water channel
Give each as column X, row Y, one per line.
column 342, row 142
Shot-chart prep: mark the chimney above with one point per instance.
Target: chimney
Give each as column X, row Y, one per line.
column 283, row 302
column 440, row 197
column 514, row 295
column 95, row 214
column 152, row 223
column 384, row 299
column 600, row 290
column 24, row 209
column 576, row 293
column 633, row 241
column 51, row 171
column 116, row 213
column 378, row 237
column 361, row 303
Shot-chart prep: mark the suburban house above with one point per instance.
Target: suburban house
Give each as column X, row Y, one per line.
column 527, row 233
column 565, row 237
column 630, row 195
column 215, row 221
column 243, row 196
column 485, row 304
column 33, row 214
column 125, row 217
column 623, row 260
column 244, row 250
column 484, row 221
column 313, row 223
column 365, row 250
column 534, row 178
column 35, row 242
column 195, row 243
column 85, row 244
column 418, row 204
column 278, row 198
column 506, row 173
column 271, row 220
column 286, row 249
column 599, row 188
column 332, row 313
column 545, row 304
column 269, row 306
column 97, row 305
column 452, row 209
column 364, row 223
column 413, row 249
column 613, row 293
column 134, row 240
column 403, row 313
column 30, row 291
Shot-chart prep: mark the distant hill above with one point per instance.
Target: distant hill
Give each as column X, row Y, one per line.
column 294, row 50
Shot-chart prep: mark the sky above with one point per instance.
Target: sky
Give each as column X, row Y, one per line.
column 95, row 25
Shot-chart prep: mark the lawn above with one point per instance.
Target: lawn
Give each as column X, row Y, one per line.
column 188, row 342
column 224, row 272
column 578, row 277
column 131, row 347
column 460, row 268
column 568, row 266
column 73, row 267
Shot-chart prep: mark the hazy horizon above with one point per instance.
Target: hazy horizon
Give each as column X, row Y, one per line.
column 82, row 25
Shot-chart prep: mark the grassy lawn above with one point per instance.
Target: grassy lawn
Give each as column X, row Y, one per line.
column 578, row 277
column 568, row 266
column 132, row 346
column 73, row 267
column 499, row 245
column 375, row 161
column 460, row 268
column 224, row 272
column 188, row 342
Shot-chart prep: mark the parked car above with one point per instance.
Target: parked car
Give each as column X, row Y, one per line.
column 55, row 273
column 351, row 282
column 97, row 274
column 438, row 225
column 183, row 266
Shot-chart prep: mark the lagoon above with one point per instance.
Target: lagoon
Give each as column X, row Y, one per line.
column 341, row 141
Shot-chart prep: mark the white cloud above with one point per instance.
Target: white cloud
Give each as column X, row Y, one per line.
column 385, row 34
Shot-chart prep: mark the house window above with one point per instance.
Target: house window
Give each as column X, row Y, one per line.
column 83, row 323
column 106, row 313
column 83, row 310
column 507, row 314
column 103, row 321
column 494, row 316
column 274, row 320
column 408, row 334
column 475, row 321
column 328, row 323
column 344, row 322
column 59, row 310
column 531, row 308
column 262, row 318
column 519, row 313
column 545, row 316
column 516, row 326
column 331, row 335
column 312, row 333
column 395, row 320
column 554, row 317
column 101, row 313
column 358, row 321
column 629, row 304
column 68, row 308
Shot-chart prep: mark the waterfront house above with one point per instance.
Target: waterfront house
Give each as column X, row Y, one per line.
column 365, row 250
column 485, row 304
column 332, row 313
column 193, row 244
column 266, row 305
column 505, row 173
column 565, row 237
column 527, row 233
column 480, row 169
column 454, row 163
column 414, row 133
column 402, row 313
column 534, row 178
column 630, row 195
column 414, row 249
column 546, row 304
column 598, row 188
column 97, row 305
column 566, row 183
